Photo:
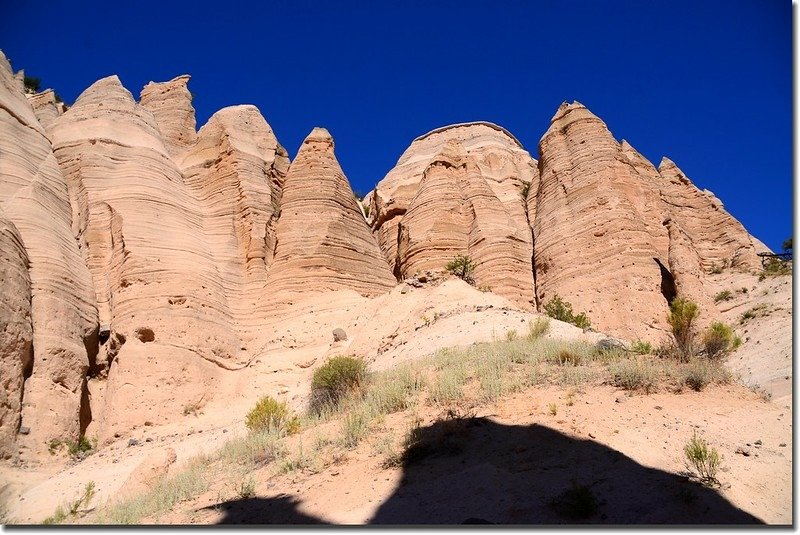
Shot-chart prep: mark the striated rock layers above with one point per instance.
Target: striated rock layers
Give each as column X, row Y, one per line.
column 141, row 259
column 601, row 232
column 63, row 315
column 323, row 240
column 459, row 190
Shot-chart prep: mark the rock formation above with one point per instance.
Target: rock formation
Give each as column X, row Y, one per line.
column 720, row 240
column 595, row 245
column 34, row 198
column 171, row 105
column 16, row 332
column 141, row 260
column 459, row 190
column 324, row 242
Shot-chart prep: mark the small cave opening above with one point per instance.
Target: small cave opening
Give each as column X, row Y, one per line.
column 668, row 289
column 145, row 334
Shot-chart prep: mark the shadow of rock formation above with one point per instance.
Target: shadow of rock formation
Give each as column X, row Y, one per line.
column 473, row 470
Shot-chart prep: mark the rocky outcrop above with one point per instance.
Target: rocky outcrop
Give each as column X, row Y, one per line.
column 16, row 331
column 323, row 241
column 720, row 240
column 34, row 198
column 598, row 243
column 459, row 190
column 144, row 243
column 687, row 271
column 171, row 105
column 46, row 107
column 236, row 170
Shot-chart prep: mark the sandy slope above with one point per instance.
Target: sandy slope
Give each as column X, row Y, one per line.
column 517, row 449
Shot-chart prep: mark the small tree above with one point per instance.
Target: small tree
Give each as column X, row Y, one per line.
column 32, row 84
column 787, row 245
column 462, row 267
column 682, row 316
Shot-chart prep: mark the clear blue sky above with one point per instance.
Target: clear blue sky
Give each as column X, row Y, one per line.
column 707, row 83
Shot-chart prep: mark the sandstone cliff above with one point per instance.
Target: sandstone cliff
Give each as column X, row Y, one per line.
column 459, row 190
column 34, row 198
column 324, row 242
column 144, row 262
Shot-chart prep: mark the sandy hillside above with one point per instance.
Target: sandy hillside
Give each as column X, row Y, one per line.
column 512, row 456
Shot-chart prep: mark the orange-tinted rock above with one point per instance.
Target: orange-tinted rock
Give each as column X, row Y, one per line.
column 171, row 105
column 34, row 198
column 323, row 241
column 458, row 190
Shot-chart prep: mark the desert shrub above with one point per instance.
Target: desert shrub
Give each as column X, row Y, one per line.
column 32, row 84
column 80, row 449
column 724, row 295
column 561, row 310
column 462, row 267
column 776, row 266
column 355, row 426
column 334, row 380
column 634, row 374
column 682, row 317
column 271, row 415
column 526, row 187
column 577, row 502
column 719, row 339
column 699, row 373
column 704, row 459
column 390, row 391
column 538, row 328
column 511, row 335
column 641, row 347
column 246, row 489
column 252, row 450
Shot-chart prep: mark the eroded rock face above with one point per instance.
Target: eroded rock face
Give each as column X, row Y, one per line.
column 16, row 331
column 236, row 170
column 45, row 106
column 597, row 230
column 720, row 240
column 459, row 190
column 171, row 105
column 145, row 241
column 34, row 198
column 324, row 242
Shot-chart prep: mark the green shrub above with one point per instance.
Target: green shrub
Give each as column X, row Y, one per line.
column 561, row 310
column 538, row 328
column 246, row 489
column 704, row 459
column 682, row 317
column 333, row 381
column 724, row 295
column 526, row 187
column 641, row 347
column 511, row 335
column 271, row 415
column 32, row 84
column 80, row 449
column 462, row 267
column 719, row 339
column 776, row 266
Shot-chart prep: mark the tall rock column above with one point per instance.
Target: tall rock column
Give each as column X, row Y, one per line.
column 33, row 196
column 593, row 245
column 16, row 332
column 323, row 241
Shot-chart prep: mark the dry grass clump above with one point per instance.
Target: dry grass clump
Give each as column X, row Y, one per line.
column 703, row 459
column 163, row 496
column 634, row 374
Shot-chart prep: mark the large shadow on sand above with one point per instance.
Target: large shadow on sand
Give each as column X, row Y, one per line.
column 473, row 470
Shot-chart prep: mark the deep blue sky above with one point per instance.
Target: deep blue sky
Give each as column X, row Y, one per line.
column 707, row 83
